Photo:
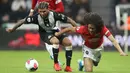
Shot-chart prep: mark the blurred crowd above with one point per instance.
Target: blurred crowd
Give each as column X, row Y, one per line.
column 14, row 10
column 121, row 2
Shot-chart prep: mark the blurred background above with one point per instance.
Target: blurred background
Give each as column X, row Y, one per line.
column 115, row 14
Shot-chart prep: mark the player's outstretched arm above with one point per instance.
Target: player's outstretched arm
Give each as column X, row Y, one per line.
column 71, row 21
column 18, row 24
column 71, row 29
column 117, row 46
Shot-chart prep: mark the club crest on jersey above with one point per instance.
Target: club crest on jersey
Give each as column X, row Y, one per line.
column 29, row 19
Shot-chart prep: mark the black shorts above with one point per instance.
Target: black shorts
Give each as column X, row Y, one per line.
column 47, row 36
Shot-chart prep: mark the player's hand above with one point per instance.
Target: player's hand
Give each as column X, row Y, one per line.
column 56, row 34
column 31, row 12
column 123, row 54
column 9, row 30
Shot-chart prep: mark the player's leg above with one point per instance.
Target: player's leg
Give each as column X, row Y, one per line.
column 68, row 47
column 83, row 63
column 50, row 39
column 49, row 49
column 55, row 50
column 95, row 62
column 88, row 64
column 88, row 57
column 97, row 56
column 91, row 57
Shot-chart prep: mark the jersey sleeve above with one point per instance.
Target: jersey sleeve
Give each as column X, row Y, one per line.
column 106, row 32
column 80, row 29
column 34, row 2
column 60, row 17
column 59, row 6
column 31, row 19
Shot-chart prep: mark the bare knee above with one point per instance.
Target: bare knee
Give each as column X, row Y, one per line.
column 66, row 42
column 54, row 40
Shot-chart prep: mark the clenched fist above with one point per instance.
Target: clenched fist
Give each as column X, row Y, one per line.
column 9, row 30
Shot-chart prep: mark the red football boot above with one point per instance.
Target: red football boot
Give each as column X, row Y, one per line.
column 68, row 69
column 57, row 67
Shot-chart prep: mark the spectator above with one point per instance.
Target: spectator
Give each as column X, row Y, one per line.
column 4, row 10
column 67, row 5
column 121, row 1
column 18, row 4
column 79, row 7
column 19, row 10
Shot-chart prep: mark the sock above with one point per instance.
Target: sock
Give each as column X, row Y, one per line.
column 68, row 57
column 55, row 55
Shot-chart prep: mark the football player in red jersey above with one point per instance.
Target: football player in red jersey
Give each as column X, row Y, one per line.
column 92, row 33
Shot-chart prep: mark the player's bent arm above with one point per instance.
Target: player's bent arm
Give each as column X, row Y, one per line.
column 71, row 21
column 117, row 46
column 34, row 2
column 71, row 29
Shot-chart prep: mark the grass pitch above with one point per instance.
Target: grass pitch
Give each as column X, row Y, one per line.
column 14, row 62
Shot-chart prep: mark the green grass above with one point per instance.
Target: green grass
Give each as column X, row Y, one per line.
column 14, row 62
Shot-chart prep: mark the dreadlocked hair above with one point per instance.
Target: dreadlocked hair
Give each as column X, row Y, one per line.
column 43, row 5
column 94, row 19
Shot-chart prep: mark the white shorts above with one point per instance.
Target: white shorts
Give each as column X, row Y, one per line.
column 92, row 53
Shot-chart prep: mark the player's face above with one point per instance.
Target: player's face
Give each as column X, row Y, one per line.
column 43, row 12
column 91, row 29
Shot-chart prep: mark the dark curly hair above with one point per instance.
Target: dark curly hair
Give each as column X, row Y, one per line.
column 94, row 19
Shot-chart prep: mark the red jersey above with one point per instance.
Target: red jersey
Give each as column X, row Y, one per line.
column 92, row 41
column 55, row 5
